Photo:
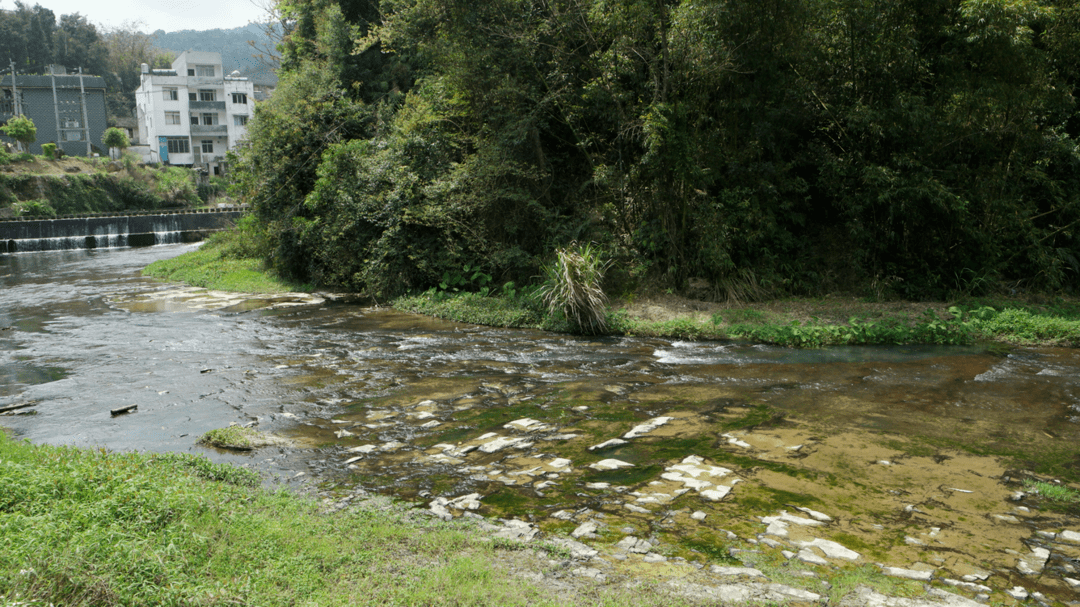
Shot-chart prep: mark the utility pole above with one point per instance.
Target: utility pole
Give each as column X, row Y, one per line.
column 56, row 107
column 16, row 106
column 86, row 123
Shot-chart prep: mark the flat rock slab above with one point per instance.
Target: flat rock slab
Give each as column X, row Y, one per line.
column 503, row 442
column 517, row 530
column 633, row 544
column 865, row 597
column 908, row 574
column 647, row 427
column 577, row 549
column 1033, row 563
column 1073, row 537
column 610, row 464
column 736, row 571
column 586, row 529
column 831, row 549
column 615, row 442
column 809, row 556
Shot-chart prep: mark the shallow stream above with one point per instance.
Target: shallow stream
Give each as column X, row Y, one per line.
column 912, row 450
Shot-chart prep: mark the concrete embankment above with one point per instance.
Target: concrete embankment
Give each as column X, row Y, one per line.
column 104, row 231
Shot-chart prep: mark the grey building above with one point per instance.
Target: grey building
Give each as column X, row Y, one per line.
column 68, row 110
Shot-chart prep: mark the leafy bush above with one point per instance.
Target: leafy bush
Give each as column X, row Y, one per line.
column 34, row 208
column 573, row 286
column 5, row 158
column 21, row 129
column 48, row 151
column 176, row 185
column 115, row 138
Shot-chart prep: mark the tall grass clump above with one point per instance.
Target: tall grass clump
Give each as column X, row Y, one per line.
column 573, row 287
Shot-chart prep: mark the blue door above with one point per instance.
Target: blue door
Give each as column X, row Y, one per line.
column 163, row 148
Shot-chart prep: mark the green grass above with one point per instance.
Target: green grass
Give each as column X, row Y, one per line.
column 238, row 437
column 221, row 265
column 1061, row 498
column 90, row 527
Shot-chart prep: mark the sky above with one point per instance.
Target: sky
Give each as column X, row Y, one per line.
column 152, row 15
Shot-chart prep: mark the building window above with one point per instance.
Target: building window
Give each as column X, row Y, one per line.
column 195, row 120
column 207, row 146
column 240, row 120
column 190, row 71
column 171, row 94
column 209, row 119
column 239, row 98
column 207, row 95
column 204, row 70
column 178, row 145
column 172, row 117
column 192, row 96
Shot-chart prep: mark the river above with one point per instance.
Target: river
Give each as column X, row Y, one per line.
column 433, row 411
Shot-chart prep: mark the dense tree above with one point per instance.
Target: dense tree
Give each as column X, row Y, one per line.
column 921, row 147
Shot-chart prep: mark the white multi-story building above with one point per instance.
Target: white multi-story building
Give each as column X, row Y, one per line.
column 193, row 113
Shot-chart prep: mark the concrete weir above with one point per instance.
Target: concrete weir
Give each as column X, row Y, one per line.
column 107, row 231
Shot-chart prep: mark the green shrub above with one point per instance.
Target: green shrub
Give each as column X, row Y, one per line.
column 176, row 185
column 573, row 287
column 48, row 151
column 5, row 158
column 34, row 208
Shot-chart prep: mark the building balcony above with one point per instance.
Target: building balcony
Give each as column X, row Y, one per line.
column 206, row 105
column 209, row 129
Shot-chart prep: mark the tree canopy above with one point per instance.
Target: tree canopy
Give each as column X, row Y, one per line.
column 786, row 146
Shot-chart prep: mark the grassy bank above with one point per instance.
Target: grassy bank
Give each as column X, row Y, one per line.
column 225, row 262
column 792, row 322
column 229, row 261
column 88, row 527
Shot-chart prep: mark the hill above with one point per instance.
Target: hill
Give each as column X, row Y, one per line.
column 235, row 46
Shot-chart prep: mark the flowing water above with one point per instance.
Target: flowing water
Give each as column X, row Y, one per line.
column 915, row 451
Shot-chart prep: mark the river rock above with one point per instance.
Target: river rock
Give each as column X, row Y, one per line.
column 814, row 514
column 736, row 571
column 866, row 597
column 1018, row 592
column 652, row 557
column 733, row 440
column 633, row 544
column 615, row 442
column 808, row 556
column 784, row 517
column 527, row 425
column 647, row 427
column 908, row 574
column 521, row 531
column 970, row 586
column 831, row 549
column 610, row 464
column 1033, row 563
column 586, row 529
column 698, row 516
column 577, row 550
column 503, row 442
column 1073, row 537
column 589, row 572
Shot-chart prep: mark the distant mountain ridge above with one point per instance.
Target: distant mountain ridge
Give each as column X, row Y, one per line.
column 233, row 44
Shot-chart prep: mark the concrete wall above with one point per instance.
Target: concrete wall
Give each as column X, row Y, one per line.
column 17, row 236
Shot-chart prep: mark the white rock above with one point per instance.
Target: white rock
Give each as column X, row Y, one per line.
column 424, row 415
column 1072, row 537
column 637, row 509
column 652, row 557
column 1006, row 518
column 784, row 517
column 715, row 494
column 633, row 544
column 777, row 528
column 647, row 427
column 431, row 424
column 814, row 514
column 559, row 462
column 525, row 424
column 589, row 572
column 503, row 442
column 733, row 440
column 577, row 549
column 788, row 554
column 563, row 515
column 831, row 549
column 866, row 597
column 808, row 556
column 1018, row 592
column 517, row 530
column 364, row 449
column 597, row 485
column 971, row 586
column 1033, row 563
column 391, row 446
column 977, row 576
column 911, row 541
column 608, row 443
column 353, row 460
column 1071, row 582
column 698, row 516
column 586, row 529
column 343, row 433
column 771, row 543
column 746, row 571
column 610, row 464
column 908, row 574
column 960, row 490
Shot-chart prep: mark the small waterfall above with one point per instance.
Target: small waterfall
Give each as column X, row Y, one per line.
column 96, row 232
